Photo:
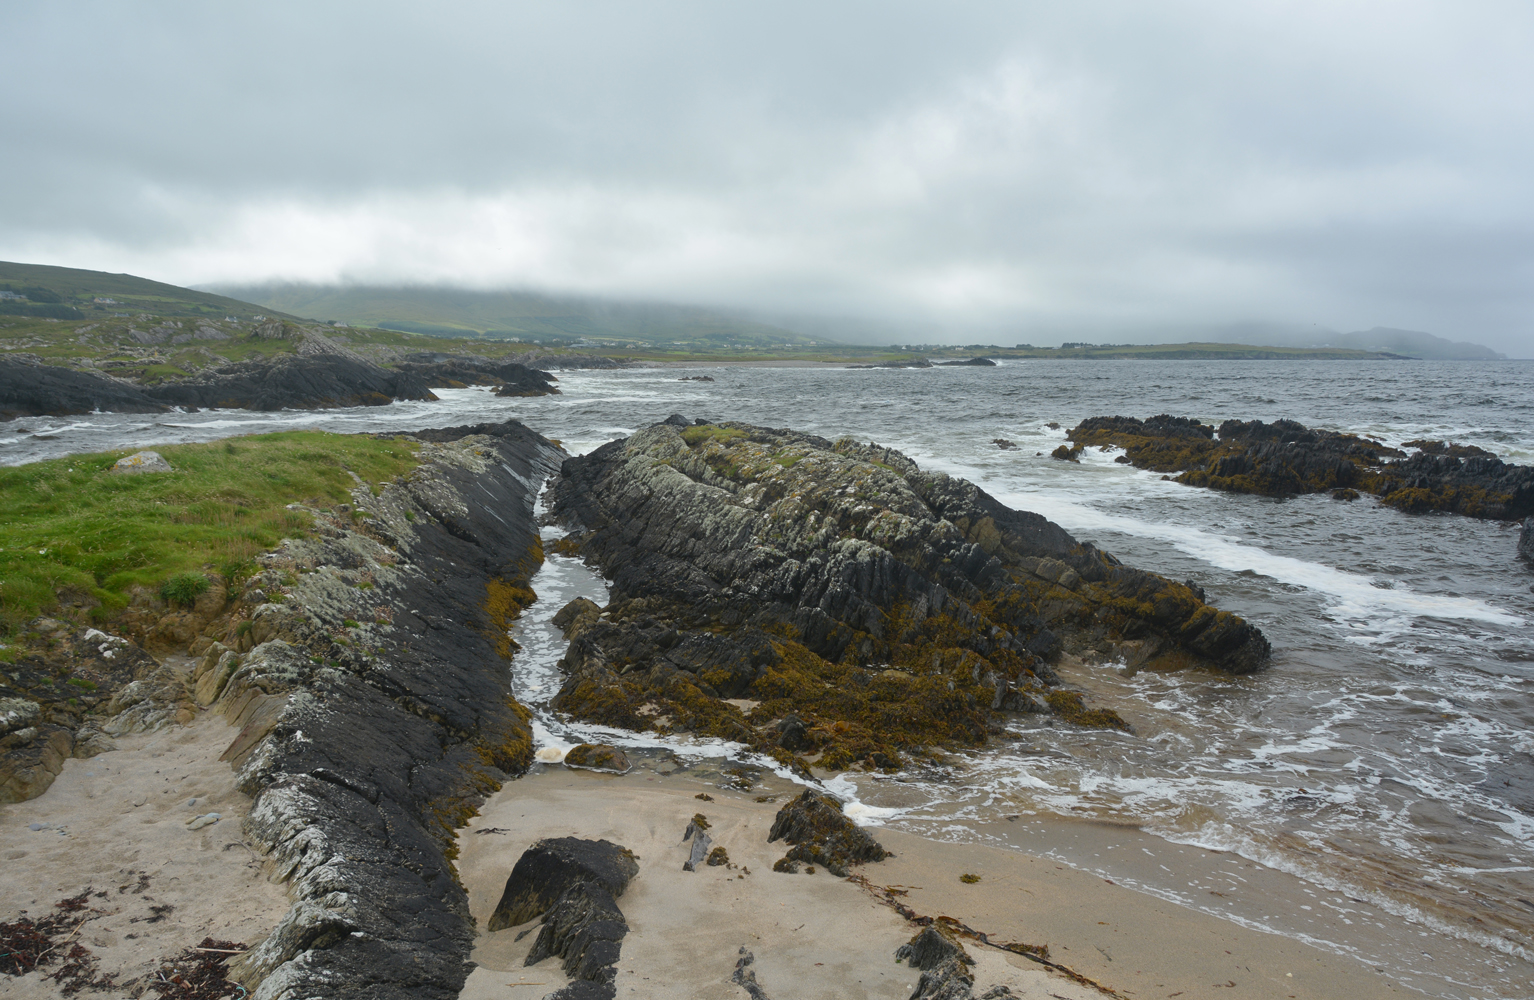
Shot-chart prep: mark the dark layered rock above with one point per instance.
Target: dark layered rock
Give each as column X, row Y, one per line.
column 454, row 371
column 548, row 868
column 293, row 381
column 363, row 755
column 37, row 390
column 1286, row 458
column 944, row 967
column 586, row 929
column 883, row 607
column 819, row 834
column 968, row 363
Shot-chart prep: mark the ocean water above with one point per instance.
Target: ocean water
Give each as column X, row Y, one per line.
column 1372, row 792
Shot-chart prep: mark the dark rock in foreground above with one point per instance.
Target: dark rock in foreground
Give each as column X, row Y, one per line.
column 820, row 835
column 293, row 382
column 885, row 608
column 35, row 390
column 545, row 870
column 363, row 756
column 586, row 929
column 1285, row 458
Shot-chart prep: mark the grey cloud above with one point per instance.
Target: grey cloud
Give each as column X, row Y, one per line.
column 962, row 167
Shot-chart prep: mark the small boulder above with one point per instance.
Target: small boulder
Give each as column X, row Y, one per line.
column 597, row 757
column 821, row 835
column 1003, row 444
column 142, row 461
column 551, row 866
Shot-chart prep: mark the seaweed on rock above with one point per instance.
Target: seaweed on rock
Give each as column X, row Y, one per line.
column 807, row 597
column 1286, row 458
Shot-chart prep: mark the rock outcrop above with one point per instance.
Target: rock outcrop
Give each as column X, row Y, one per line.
column 293, row 381
column 373, row 703
column 1526, row 539
column 547, row 869
column 1285, row 458
column 818, row 834
column 454, row 371
column 35, row 390
column 967, row 363
column 882, row 607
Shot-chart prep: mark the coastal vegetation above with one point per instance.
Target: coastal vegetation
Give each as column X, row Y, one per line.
column 73, row 533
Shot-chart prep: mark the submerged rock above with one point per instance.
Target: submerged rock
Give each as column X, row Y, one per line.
column 821, row 835
column 1526, row 539
column 1285, row 458
column 883, row 608
column 545, row 870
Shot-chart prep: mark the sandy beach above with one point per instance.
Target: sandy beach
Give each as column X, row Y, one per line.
column 821, row 936
column 116, row 825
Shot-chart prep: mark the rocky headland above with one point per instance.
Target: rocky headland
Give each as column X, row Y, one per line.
column 830, row 603
column 317, row 373
column 1285, row 458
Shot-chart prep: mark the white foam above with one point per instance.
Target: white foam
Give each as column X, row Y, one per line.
column 1359, row 596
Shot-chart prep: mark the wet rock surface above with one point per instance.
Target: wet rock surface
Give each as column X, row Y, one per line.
column 819, row 834
column 374, row 712
column 1285, row 458
column 548, row 868
column 1526, row 539
column 759, row 574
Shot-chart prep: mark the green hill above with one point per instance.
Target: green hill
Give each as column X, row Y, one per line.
column 72, row 293
column 522, row 316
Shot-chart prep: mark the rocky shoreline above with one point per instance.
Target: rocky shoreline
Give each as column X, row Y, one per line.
column 829, row 603
column 317, row 374
column 365, row 668
column 1285, row 458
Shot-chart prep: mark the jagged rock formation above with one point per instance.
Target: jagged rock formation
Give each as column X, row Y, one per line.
column 34, row 390
column 1287, row 458
column 545, row 870
column 820, row 835
column 883, row 607
column 586, row 929
column 374, row 711
column 293, row 381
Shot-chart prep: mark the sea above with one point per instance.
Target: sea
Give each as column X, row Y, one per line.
column 1371, row 792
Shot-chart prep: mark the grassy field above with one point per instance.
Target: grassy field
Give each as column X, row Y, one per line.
column 71, row 526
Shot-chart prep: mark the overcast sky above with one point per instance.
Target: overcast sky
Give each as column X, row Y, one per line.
column 1027, row 167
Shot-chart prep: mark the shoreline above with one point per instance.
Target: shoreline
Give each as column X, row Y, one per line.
column 687, row 928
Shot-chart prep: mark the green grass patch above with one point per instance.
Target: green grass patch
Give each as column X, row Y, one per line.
column 696, row 435
column 68, row 525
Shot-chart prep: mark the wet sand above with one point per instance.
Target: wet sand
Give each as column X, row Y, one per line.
column 821, row 936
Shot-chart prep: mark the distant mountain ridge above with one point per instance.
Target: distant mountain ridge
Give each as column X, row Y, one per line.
column 519, row 315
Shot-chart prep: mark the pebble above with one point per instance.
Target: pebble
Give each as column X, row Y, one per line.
column 191, row 802
column 206, row 819
column 37, row 826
